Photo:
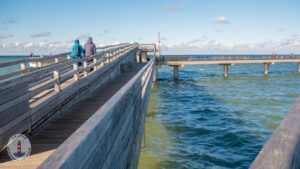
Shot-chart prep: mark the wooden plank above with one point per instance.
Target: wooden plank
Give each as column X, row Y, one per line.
column 13, row 112
column 18, row 125
column 42, row 87
column 12, row 103
column 13, row 92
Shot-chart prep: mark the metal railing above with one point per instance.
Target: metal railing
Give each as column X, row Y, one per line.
column 220, row 58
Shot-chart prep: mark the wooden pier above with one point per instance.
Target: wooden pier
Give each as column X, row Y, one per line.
column 54, row 103
column 92, row 115
column 226, row 61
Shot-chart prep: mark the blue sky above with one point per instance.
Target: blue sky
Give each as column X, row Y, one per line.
column 186, row 26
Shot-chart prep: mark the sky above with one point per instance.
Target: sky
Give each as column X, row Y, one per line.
column 185, row 26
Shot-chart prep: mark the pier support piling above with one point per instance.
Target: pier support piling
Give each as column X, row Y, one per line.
column 298, row 67
column 155, row 73
column 175, row 72
column 266, row 68
column 226, row 69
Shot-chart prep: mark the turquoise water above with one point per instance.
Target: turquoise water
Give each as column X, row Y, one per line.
column 10, row 68
column 204, row 120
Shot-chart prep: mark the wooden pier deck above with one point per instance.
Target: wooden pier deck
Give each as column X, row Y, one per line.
column 46, row 139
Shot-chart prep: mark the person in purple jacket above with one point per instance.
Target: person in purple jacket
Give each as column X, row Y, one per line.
column 89, row 47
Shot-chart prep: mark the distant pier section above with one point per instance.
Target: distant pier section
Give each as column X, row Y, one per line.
column 226, row 61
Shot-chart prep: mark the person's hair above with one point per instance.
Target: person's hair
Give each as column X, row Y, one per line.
column 90, row 38
column 77, row 40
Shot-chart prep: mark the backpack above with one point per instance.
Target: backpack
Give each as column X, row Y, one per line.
column 77, row 51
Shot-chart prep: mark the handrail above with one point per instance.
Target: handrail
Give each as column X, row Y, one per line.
column 43, row 90
column 20, row 61
column 25, row 70
column 100, row 123
column 283, row 147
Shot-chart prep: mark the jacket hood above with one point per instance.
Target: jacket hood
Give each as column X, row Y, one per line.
column 76, row 44
column 89, row 42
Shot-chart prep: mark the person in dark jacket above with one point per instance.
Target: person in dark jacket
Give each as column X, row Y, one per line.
column 77, row 51
column 89, row 47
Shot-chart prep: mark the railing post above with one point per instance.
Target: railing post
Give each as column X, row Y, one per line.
column 56, row 76
column 23, row 66
column 75, row 67
column 107, row 60
column 68, row 56
column 95, row 61
column 85, row 72
column 39, row 64
column 111, row 56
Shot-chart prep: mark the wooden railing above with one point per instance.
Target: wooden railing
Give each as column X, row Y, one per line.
column 103, row 141
column 26, row 100
column 25, row 67
column 283, row 148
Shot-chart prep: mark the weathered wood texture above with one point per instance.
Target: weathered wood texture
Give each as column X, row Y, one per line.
column 47, row 139
column 111, row 138
column 282, row 151
column 27, row 100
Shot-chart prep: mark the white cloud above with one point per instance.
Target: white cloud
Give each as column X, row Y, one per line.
column 24, row 48
column 70, row 40
column 174, row 6
column 6, row 35
column 221, row 19
column 218, row 30
column 12, row 20
column 41, row 34
column 17, row 43
column 116, row 43
column 83, row 37
column 281, row 29
column 100, row 45
column 27, row 45
column 211, row 46
column 213, row 6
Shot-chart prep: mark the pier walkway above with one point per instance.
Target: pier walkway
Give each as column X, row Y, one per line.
column 88, row 115
column 47, row 139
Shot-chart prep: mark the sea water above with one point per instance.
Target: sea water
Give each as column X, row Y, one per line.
column 204, row 120
column 12, row 68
